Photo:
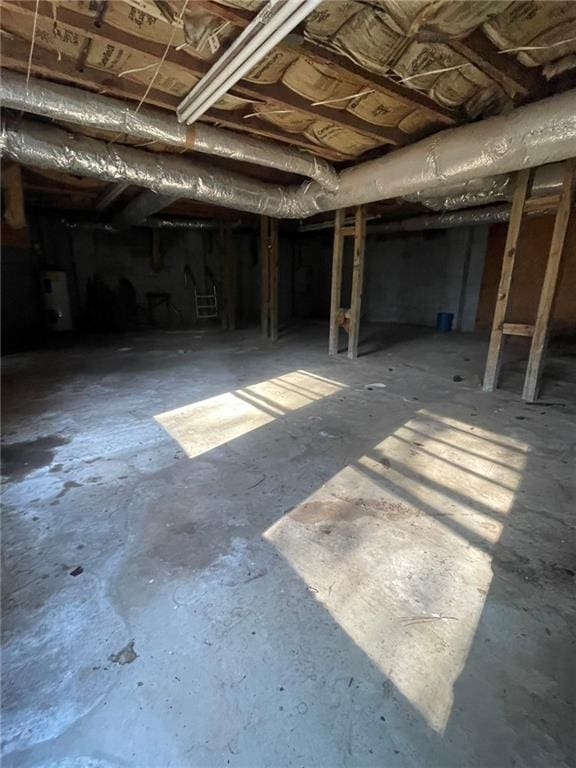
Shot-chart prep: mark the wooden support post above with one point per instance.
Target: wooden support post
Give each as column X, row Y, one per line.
column 228, row 278
column 337, row 258
column 264, row 277
column 14, row 210
column 548, row 293
column 357, row 282
column 269, row 277
column 273, row 291
column 157, row 257
column 496, row 339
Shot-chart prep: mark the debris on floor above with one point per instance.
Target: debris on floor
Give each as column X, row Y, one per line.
column 126, row 656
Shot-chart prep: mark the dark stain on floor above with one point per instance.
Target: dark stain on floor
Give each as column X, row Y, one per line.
column 19, row 459
column 348, row 510
column 66, row 487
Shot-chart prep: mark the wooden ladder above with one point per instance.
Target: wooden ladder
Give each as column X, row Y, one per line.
column 539, row 330
column 349, row 319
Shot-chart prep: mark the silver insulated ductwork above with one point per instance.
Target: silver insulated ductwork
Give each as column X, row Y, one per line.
column 61, row 102
column 170, row 176
column 493, row 189
column 530, row 136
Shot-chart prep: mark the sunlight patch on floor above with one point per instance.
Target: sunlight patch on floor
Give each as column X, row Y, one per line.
column 397, row 546
column 207, row 424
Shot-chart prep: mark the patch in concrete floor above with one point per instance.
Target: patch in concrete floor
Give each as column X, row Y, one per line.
column 53, row 678
column 19, row 459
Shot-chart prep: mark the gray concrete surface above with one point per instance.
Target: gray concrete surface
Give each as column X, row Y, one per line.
column 310, row 572
column 410, row 277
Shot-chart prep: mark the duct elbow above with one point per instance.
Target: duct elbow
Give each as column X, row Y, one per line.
column 324, row 174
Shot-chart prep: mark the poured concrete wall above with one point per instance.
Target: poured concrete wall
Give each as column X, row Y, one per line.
column 412, row 277
column 114, row 274
column 409, row 277
column 22, row 307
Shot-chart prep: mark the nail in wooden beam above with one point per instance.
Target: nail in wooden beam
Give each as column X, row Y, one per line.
column 548, row 293
column 337, row 259
column 494, row 358
column 357, row 282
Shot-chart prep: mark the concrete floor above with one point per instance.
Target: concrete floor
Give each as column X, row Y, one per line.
column 277, row 566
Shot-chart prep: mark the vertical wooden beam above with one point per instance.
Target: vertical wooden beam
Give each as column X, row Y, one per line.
column 264, row 276
column 14, row 209
column 157, row 257
column 269, row 277
column 494, row 358
column 357, row 282
column 337, row 258
column 273, row 290
column 548, row 293
column 228, row 278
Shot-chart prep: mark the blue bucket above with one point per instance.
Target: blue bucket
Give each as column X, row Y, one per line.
column 444, row 321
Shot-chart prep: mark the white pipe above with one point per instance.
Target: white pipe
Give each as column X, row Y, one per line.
column 229, row 76
column 264, row 23
column 62, row 102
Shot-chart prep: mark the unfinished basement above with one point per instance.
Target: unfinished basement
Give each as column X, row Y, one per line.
column 288, row 383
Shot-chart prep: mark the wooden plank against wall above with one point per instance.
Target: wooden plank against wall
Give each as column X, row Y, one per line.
column 357, row 282
column 337, row 259
column 546, row 303
column 493, row 360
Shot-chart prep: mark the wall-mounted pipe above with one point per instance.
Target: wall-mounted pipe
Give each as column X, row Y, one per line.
column 468, row 217
column 154, row 222
column 143, row 206
column 528, row 137
column 62, row 102
column 464, row 218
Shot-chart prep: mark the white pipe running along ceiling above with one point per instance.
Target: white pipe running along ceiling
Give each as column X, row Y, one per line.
column 530, row 136
column 62, row 102
column 276, row 20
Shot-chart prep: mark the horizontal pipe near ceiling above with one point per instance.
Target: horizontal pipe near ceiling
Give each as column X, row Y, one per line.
column 530, row 136
column 62, row 102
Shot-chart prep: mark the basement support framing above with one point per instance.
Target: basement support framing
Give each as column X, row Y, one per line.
column 229, row 277
column 540, row 329
column 349, row 319
column 269, row 277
